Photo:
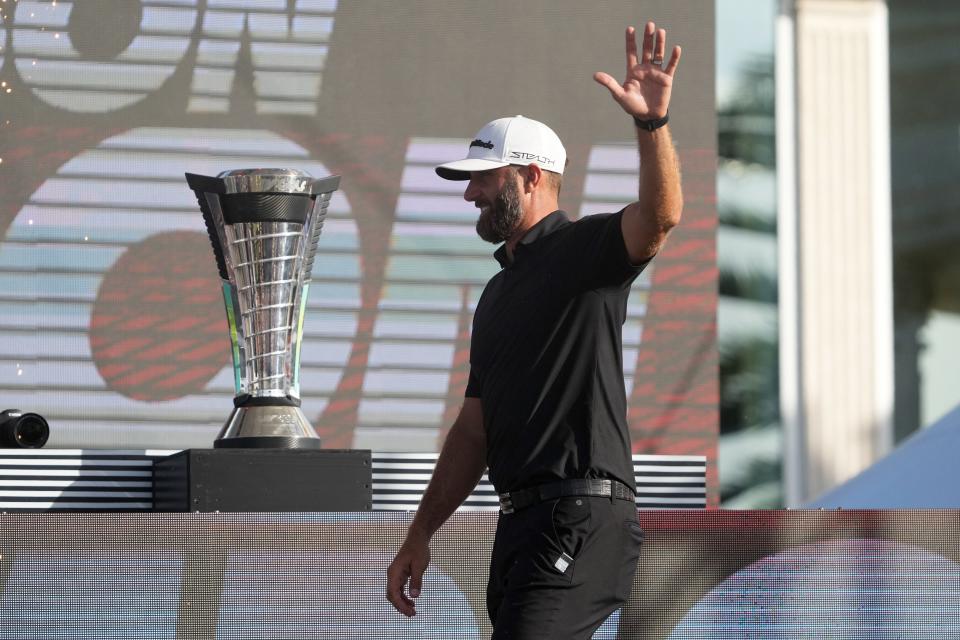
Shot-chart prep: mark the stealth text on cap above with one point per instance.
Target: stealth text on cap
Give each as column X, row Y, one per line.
column 522, row 155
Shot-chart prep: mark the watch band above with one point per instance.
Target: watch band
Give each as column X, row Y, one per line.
column 651, row 125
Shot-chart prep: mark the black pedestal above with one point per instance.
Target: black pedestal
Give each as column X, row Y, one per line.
column 245, row 480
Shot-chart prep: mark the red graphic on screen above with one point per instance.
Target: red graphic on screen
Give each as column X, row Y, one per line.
column 158, row 330
column 673, row 407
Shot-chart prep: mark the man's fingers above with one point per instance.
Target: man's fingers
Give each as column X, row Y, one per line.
column 661, row 46
column 648, row 36
column 402, row 604
column 610, row 83
column 631, row 49
column 416, row 583
column 417, row 567
column 396, row 579
column 674, row 61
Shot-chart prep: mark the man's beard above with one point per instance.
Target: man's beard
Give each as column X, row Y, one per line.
column 503, row 217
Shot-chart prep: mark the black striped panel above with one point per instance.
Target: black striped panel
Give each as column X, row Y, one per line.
column 104, row 480
column 663, row 482
column 77, row 479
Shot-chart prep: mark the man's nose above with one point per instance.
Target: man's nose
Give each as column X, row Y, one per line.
column 470, row 193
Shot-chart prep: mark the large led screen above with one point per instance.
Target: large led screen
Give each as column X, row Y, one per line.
column 111, row 323
column 702, row 575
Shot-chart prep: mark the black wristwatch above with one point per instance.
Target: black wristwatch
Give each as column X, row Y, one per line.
column 651, row 125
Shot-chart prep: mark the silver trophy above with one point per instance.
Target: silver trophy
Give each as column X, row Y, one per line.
column 264, row 225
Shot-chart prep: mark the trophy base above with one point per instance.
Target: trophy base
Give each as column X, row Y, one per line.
column 268, row 442
column 277, row 426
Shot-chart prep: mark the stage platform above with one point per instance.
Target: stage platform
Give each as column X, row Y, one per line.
column 703, row 575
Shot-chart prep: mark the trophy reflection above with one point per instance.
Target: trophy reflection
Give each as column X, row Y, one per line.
column 264, row 225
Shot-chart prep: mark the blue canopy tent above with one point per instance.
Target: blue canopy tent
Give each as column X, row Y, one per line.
column 922, row 473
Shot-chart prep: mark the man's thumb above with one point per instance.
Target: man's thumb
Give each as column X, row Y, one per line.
column 416, row 583
column 610, row 83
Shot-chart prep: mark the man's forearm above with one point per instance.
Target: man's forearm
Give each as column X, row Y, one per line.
column 459, row 468
column 657, row 210
column 660, row 193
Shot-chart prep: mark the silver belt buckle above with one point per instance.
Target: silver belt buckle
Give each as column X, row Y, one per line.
column 606, row 489
column 506, row 504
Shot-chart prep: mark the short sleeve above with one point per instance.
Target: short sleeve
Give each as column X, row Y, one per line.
column 603, row 252
column 473, row 386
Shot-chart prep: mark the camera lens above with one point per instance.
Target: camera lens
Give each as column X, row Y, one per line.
column 23, row 430
column 32, row 431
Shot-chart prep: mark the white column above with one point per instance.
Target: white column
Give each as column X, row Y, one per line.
column 842, row 342
column 788, row 290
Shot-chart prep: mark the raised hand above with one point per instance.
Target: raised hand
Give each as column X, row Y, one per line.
column 645, row 94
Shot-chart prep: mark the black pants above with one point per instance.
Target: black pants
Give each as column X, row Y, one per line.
column 561, row 567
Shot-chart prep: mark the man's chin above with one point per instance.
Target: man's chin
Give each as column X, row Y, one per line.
column 489, row 231
column 484, row 229
column 488, row 236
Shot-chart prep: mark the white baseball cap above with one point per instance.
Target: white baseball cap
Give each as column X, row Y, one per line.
column 504, row 141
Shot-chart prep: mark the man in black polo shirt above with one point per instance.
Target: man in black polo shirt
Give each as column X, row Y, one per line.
column 545, row 407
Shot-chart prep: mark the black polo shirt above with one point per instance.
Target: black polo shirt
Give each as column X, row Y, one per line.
column 546, row 355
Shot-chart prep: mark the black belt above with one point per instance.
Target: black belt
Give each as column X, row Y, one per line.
column 522, row 498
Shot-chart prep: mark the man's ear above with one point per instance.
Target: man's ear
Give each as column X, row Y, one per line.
column 532, row 177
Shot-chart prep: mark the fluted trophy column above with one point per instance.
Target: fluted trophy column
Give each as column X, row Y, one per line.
column 264, row 225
